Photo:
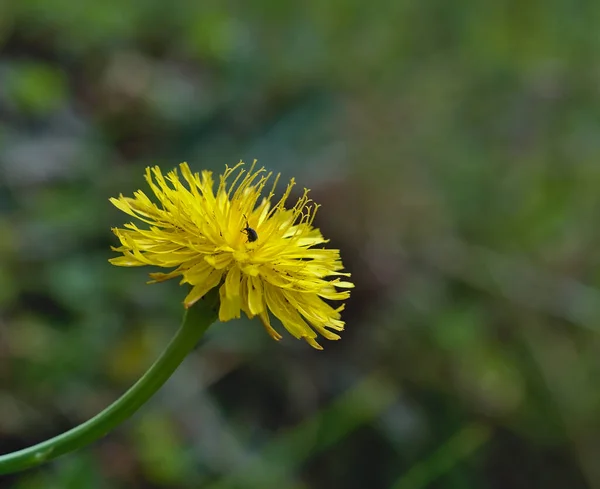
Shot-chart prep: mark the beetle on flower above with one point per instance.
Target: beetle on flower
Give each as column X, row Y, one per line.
column 263, row 257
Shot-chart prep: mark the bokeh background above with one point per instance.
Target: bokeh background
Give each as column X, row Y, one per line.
column 455, row 149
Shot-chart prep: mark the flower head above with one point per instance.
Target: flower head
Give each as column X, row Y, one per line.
column 261, row 255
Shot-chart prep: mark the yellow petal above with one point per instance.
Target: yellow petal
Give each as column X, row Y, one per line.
column 232, row 282
column 200, row 290
column 220, row 260
column 229, row 307
column 255, row 295
column 264, row 317
column 289, row 317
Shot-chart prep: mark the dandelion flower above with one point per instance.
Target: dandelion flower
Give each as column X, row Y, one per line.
column 263, row 257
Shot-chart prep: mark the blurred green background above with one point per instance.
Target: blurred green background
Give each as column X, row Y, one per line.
column 454, row 147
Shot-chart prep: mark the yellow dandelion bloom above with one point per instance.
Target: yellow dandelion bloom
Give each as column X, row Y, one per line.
column 262, row 256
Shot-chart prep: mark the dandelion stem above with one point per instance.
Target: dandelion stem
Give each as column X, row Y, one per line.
column 195, row 322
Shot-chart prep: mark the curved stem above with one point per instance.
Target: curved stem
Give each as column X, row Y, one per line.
column 195, row 322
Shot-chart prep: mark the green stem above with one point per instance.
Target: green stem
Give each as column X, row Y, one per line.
column 195, row 322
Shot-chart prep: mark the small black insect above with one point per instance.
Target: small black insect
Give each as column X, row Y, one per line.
column 251, row 233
